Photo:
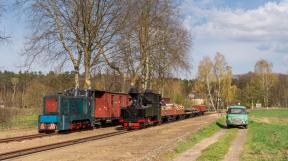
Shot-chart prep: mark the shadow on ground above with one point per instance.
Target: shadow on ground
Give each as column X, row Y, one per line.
column 224, row 126
column 221, row 125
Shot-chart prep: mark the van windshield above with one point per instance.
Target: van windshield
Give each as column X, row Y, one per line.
column 237, row 111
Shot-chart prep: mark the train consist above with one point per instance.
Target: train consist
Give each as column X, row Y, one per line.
column 147, row 109
column 79, row 109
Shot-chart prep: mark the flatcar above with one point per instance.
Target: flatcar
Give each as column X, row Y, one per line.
column 200, row 108
column 77, row 109
column 147, row 109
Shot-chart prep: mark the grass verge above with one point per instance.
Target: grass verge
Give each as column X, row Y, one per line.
column 16, row 118
column 266, row 141
column 218, row 150
column 269, row 113
column 195, row 138
column 200, row 135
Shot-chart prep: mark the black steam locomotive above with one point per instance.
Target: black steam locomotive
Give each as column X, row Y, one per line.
column 144, row 110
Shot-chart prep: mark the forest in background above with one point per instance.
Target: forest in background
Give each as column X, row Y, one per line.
column 21, row 93
column 26, row 89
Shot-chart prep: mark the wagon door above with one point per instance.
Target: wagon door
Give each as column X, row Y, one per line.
column 101, row 105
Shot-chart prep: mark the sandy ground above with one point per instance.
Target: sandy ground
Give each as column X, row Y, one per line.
column 17, row 132
column 237, row 146
column 7, row 147
column 195, row 152
column 137, row 145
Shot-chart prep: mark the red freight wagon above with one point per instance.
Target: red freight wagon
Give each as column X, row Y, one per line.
column 108, row 105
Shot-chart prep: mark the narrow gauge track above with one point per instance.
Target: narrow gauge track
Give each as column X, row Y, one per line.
column 34, row 136
column 40, row 135
column 25, row 137
column 37, row 149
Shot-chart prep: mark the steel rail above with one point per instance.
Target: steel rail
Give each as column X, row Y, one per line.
column 22, row 152
column 25, row 137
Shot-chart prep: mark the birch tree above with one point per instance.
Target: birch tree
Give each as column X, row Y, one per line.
column 263, row 70
column 205, row 74
column 217, row 77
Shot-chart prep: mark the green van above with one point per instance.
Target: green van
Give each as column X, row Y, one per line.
column 237, row 116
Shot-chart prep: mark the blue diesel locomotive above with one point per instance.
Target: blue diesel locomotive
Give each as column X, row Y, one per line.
column 71, row 110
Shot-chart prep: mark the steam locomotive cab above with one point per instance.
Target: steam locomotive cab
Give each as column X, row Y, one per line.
column 144, row 110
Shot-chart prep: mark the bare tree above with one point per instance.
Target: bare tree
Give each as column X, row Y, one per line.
column 14, row 82
column 74, row 31
column 3, row 37
column 153, row 44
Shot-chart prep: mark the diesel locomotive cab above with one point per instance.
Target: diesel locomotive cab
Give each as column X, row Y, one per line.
column 70, row 110
column 143, row 110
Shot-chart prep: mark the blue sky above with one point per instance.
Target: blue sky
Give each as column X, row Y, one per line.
column 244, row 31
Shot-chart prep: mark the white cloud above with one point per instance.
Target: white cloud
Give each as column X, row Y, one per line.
column 244, row 36
column 267, row 22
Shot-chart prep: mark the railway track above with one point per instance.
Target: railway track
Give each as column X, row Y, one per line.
column 38, row 135
column 37, row 149
column 26, row 137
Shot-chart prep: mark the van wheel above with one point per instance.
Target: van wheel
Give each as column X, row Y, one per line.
column 228, row 126
column 246, row 126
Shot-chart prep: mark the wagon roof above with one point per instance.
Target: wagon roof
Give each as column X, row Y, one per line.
column 101, row 91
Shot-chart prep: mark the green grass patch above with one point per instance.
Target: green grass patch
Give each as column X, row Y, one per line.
column 269, row 113
column 270, row 116
column 266, row 142
column 218, row 150
column 18, row 118
column 24, row 121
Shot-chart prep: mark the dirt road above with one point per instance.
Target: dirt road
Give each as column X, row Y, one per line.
column 193, row 153
column 138, row 145
column 232, row 155
column 237, row 146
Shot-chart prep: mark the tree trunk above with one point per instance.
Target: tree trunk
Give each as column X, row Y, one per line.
column 76, row 76
column 147, row 73
column 87, row 67
column 22, row 98
column 210, row 95
column 13, row 95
